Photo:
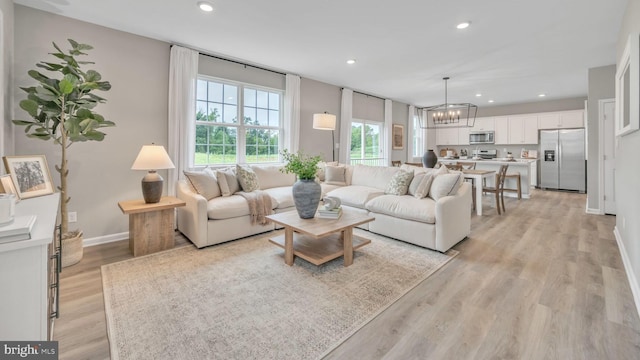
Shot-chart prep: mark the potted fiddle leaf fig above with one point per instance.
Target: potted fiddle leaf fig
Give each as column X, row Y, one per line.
column 61, row 105
column 306, row 191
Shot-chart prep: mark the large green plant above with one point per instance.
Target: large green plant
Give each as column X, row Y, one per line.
column 304, row 166
column 62, row 108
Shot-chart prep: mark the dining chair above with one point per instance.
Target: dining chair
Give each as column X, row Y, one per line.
column 456, row 167
column 498, row 189
column 396, row 163
column 470, row 166
column 413, row 164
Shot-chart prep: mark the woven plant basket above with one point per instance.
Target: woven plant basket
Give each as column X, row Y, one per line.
column 72, row 250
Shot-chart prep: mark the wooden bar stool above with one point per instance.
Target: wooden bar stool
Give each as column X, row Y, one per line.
column 517, row 190
column 498, row 190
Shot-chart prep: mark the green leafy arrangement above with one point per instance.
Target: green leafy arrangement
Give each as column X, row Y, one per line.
column 62, row 108
column 304, row 166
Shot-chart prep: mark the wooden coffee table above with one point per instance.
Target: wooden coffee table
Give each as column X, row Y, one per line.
column 319, row 240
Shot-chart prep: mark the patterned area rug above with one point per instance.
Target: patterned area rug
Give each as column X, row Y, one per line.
column 240, row 301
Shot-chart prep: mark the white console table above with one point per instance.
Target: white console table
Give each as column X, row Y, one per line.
column 24, row 275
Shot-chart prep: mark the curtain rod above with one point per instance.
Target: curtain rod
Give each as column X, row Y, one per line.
column 361, row 93
column 237, row 62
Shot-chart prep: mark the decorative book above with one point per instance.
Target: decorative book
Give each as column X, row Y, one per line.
column 19, row 229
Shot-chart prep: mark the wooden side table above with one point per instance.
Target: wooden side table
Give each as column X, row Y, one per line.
column 151, row 225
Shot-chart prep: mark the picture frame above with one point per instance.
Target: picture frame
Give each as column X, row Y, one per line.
column 397, row 137
column 627, row 118
column 30, row 175
column 7, row 186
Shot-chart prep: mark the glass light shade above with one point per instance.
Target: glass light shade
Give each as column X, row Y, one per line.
column 324, row 121
column 152, row 157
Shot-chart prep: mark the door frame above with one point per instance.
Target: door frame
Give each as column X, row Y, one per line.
column 601, row 103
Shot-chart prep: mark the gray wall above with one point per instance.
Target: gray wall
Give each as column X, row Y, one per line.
column 317, row 97
column 601, row 86
column 532, row 107
column 401, row 117
column 6, row 78
column 137, row 67
column 628, row 171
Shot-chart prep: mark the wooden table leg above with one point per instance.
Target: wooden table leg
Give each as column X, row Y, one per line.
column 288, row 245
column 347, row 245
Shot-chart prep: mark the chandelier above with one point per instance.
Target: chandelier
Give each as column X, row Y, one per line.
column 449, row 115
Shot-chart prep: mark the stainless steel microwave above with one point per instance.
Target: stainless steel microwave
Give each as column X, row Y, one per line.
column 481, row 137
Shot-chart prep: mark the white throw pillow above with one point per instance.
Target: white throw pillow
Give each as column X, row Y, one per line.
column 204, row 183
column 247, row 178
column 335, row 175
column 228, row 181
column 399, row 184
column 445, row 185
column 423, row 188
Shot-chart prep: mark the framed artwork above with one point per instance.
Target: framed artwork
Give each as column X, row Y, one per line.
column 30, row 174
column 398, row 137
column 628, row 88
column 7, row 186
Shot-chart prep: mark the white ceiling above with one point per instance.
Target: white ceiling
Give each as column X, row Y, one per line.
column 513, row 50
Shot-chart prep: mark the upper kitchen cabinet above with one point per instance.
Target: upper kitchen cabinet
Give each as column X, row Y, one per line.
column 501, row 130
column 463, row 135
column 484, row 124
column 561, row 120
column 447, row 136
column 523, row 129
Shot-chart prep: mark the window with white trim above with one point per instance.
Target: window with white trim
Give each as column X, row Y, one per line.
column 366, row 142
column 223, row 139
column 418, row 138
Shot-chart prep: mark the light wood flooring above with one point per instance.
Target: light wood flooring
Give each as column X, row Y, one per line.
column 543, row 281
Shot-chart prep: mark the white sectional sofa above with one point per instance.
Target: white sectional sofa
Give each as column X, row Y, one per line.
column 434, row 224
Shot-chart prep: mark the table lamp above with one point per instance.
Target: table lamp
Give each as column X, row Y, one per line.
column 326, row 122
column 152, row 158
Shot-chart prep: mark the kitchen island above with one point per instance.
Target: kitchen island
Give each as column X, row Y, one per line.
column 526, row 168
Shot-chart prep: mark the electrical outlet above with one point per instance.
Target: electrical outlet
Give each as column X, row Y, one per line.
column 73, row 216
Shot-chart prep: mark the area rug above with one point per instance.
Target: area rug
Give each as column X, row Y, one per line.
column 240, row 301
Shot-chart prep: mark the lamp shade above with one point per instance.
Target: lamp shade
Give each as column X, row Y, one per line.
column 152, row 157
column 324, row 121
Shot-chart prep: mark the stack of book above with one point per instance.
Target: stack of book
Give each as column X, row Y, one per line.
column 19, row 229
column 330, row 214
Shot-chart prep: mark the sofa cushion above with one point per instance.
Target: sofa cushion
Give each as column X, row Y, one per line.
column 335, row 175
column 281, row 197
column 247, row 178
column 204, row 183
column 270, row 176
column 416, row 169
column 372, row 176
column 404, row 207
column 355, row 196
column 326, row 188
column 446, row 184
column 228, row 181
column 399, row 183
column 227, row 207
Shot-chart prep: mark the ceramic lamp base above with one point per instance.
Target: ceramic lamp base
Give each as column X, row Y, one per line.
column 152, row 187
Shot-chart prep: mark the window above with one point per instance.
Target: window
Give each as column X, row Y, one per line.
column 223, row 139
column 418, row 138
column 366, row 140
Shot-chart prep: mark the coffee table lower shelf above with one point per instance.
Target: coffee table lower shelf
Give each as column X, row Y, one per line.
column 319, row 251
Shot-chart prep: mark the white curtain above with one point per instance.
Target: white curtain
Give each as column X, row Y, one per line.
column 411, row 131
column 346, row 112
column 388, row 129
column 292, row 113
column 183, row 74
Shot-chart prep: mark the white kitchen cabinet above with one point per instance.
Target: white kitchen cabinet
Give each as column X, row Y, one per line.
column 484, row 124
column 463, row 136
column 501, row 130
column 24, row 275
column 561, row 120
column 523, row 129
column 447, row 136
column 534, row 173
column 549, row 121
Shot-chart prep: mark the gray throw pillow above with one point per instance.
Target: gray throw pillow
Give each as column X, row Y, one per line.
column 399, row 184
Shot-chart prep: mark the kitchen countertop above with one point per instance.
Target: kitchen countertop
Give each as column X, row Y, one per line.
column 497, row 161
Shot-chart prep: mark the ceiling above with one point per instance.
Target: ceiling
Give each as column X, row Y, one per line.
column 513, row 50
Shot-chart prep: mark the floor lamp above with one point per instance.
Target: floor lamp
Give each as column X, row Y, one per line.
column 326, row 122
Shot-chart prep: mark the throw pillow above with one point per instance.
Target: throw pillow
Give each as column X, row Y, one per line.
column 399, row 184
column 247, row 178
column 321, row 169
column 228, row 181
column 204, row 183
column 445, row 185
column 335, row 175
column 423, row 187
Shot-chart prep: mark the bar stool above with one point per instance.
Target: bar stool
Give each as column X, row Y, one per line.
column 517, row 190
column 498, row 190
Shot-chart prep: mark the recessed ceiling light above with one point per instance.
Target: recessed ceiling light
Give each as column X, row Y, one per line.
column 205, row 6
column 478, row 95
column 463, row 25
column 490, row 101
column 542, row 95
column 351, row 61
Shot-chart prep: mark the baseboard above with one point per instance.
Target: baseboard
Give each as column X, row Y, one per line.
column 593, row 211
column 105, row 239
column 633, row 282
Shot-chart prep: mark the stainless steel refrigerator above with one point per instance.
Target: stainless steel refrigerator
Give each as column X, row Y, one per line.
column 562, row 160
